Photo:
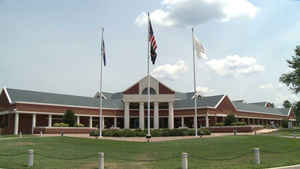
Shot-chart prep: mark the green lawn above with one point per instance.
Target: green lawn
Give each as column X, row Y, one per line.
column 231, row 152
column 287, row 132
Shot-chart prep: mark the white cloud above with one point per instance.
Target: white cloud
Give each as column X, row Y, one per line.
column 195, row 12
column 266, row 86
column 281, row 97
column 170, row 72
column 278, row 93
column 234, row 65
column 204, row 90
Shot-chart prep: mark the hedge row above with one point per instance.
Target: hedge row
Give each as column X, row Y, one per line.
column 154, row 132
column 233, row 124
column 67, row 125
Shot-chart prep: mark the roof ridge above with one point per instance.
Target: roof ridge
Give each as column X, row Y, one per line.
column 49, row 93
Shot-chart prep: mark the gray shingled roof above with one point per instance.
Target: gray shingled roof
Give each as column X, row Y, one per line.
column 114, row 101
column 17, row 95
column 259, row 103
column 184, row 100
column 259, row 108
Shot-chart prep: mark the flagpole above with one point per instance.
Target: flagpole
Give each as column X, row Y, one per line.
column 148, row 72
column 195, row 95
column 100, row 97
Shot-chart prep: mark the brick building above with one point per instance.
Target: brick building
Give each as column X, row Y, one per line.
column 26, row 111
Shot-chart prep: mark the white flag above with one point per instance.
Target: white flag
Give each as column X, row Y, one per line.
column 197, row 95
column 199, row 49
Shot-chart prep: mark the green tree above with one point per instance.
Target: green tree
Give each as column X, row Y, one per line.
column 296, row 108
column 292, row 79
column 287, row 104
column 285, row 123
column 69, row 118
column 229, row 119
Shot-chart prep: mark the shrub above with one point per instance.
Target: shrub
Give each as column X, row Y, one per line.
column 238, row 124
column 79, row 125
column 219, row 124
column 61, row 125
column 229, row 119
column 69, row 118
column 94, row 133
column 285, row 123
column 154, row 132
column 202, row 132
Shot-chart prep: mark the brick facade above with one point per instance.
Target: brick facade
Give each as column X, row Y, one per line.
column 164, row 90
column 132, row 90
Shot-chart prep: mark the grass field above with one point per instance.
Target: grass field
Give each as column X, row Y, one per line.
column 287, row 132
column 231, row 152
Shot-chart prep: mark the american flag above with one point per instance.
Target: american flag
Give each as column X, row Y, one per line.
column 152, row 41
column 103, row 52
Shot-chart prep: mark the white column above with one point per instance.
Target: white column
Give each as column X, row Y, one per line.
column 207, row 120
column 182, row 121
column 16, row 129
column 33, row 121
column 156, row 115
column 78, row 120
column 103, row 124
column 50, row 120
column 171, row 115
column 91, row 121
column 115, row 122
column 141, row 116
column 126, row 116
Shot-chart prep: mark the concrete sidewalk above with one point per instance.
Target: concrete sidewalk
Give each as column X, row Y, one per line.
column 159, row 139
column 288, row 167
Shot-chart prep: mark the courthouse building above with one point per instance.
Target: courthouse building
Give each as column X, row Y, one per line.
column 25, row 111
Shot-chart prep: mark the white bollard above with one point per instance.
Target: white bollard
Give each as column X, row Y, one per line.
column 20, row 134
column 41, row 133
column 256, row 156
column 101, row 160
column 30, row 158
column 184, row 160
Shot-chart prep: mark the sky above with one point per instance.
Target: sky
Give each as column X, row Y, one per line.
column 54, row 46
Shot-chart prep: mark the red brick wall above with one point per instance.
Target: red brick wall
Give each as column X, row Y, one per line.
column 4, row 103
column 85, row 121
column 61, row 129
column 25, row 123
column 164, row 90
column 62, row 109
column 133, row 90
column 189, row 112
column 11, row 123
column 226, row 106
column 292, row 115
column 41, row 120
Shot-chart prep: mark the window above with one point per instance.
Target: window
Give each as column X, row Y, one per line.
column 152, row 91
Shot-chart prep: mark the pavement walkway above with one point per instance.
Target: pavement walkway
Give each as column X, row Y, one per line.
column 159, row 139
column 288, row 167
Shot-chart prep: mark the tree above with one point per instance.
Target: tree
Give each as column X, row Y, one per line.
column 229, row 119
column 285, row 123
column 287, row 104
column 69, row 118
column 296, row 108
column 292, row 79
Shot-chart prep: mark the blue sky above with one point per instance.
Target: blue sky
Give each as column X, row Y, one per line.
column 54, row 45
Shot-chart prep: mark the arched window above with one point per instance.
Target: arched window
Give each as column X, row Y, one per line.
column 152, row 91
